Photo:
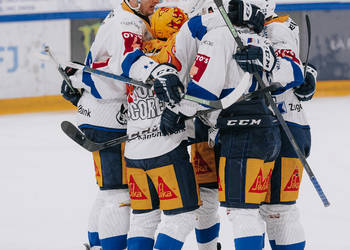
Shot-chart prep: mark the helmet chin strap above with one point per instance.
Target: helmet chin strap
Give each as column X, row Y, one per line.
column 137, row 8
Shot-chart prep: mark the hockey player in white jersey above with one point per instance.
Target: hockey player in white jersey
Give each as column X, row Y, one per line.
column 243, row 177
column 280, row 212
column 166, row 23
column 102, row 109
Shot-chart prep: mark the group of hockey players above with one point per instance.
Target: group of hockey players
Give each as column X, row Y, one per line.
column 152, row 191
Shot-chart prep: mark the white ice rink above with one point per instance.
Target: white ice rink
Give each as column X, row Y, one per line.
column 47, row 182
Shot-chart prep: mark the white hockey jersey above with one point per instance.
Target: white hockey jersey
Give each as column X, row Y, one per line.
column 283, row 33
column 116, row 49
column 144, row 107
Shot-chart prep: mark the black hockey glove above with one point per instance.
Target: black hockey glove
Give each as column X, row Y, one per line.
column 167, row 85
column 306, row 91
column 70, row 95
column 171, row 121
column 256, row 58
column 245, row 14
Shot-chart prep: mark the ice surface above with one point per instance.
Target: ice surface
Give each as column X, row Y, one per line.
column 47, row 183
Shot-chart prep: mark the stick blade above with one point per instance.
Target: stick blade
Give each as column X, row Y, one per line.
column 76, row 135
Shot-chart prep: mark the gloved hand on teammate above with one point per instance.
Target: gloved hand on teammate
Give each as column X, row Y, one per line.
column 167, row 85
column 256, row 58
column 72, row 95
column 172, row 120
column 306, row 91
column 245, row 14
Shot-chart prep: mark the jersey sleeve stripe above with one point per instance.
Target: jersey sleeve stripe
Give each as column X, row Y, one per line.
column 129, row 61
column 197, row 91
column 198, row 30
column 297, row 74
column 87, row 79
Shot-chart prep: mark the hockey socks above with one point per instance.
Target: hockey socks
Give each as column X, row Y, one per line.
column 297, row 246
column 248, row 228
column 207, row 238
column 207, row 220
column 114, row 243
column 165, row 242
column 137, row 243
column 94, row 240
column 173, row 230
column 284, row 229
column 143, row 227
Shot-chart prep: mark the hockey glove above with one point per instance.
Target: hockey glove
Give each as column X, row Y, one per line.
column 171, row 121
column 70, row 95
column 245, row 14
column 167, row 85
column 256, row 58
column 306, row 91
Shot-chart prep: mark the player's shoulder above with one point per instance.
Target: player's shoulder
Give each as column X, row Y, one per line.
column 120, row 19
column 282, row 28
column 217, row 34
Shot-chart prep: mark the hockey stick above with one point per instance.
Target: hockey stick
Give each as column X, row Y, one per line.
column 308, row 25
column 108, row 75
column 59, row 68
column 76, row 135
column 217, row 104
column 289, row 134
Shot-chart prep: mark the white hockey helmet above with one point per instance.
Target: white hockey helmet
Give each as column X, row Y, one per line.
column 267, row 7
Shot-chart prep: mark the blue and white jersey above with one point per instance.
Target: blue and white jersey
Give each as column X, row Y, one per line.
column 144, row 107
column 116, row 49
column 284, row 36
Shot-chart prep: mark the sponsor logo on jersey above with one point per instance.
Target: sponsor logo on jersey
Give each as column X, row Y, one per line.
column 164, row 192
column 84, row 111
column 292, row 25
column 200, row 165
column 244, row 122
column 143, row 104
column 287, row 53
column 134, row 190
column 295, row 107
column 122, row 115
column 294, row 181
column 129, row 23
column 260, row 184
column 132, row 41
column 199, row 66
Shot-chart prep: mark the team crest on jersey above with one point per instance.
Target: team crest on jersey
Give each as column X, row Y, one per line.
column 132, row 41
column 134, row 190
column 164, row 192
column 199, row 66
column 287, row 53
column 260, row 184
column 122, row 115
column 294, row 181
